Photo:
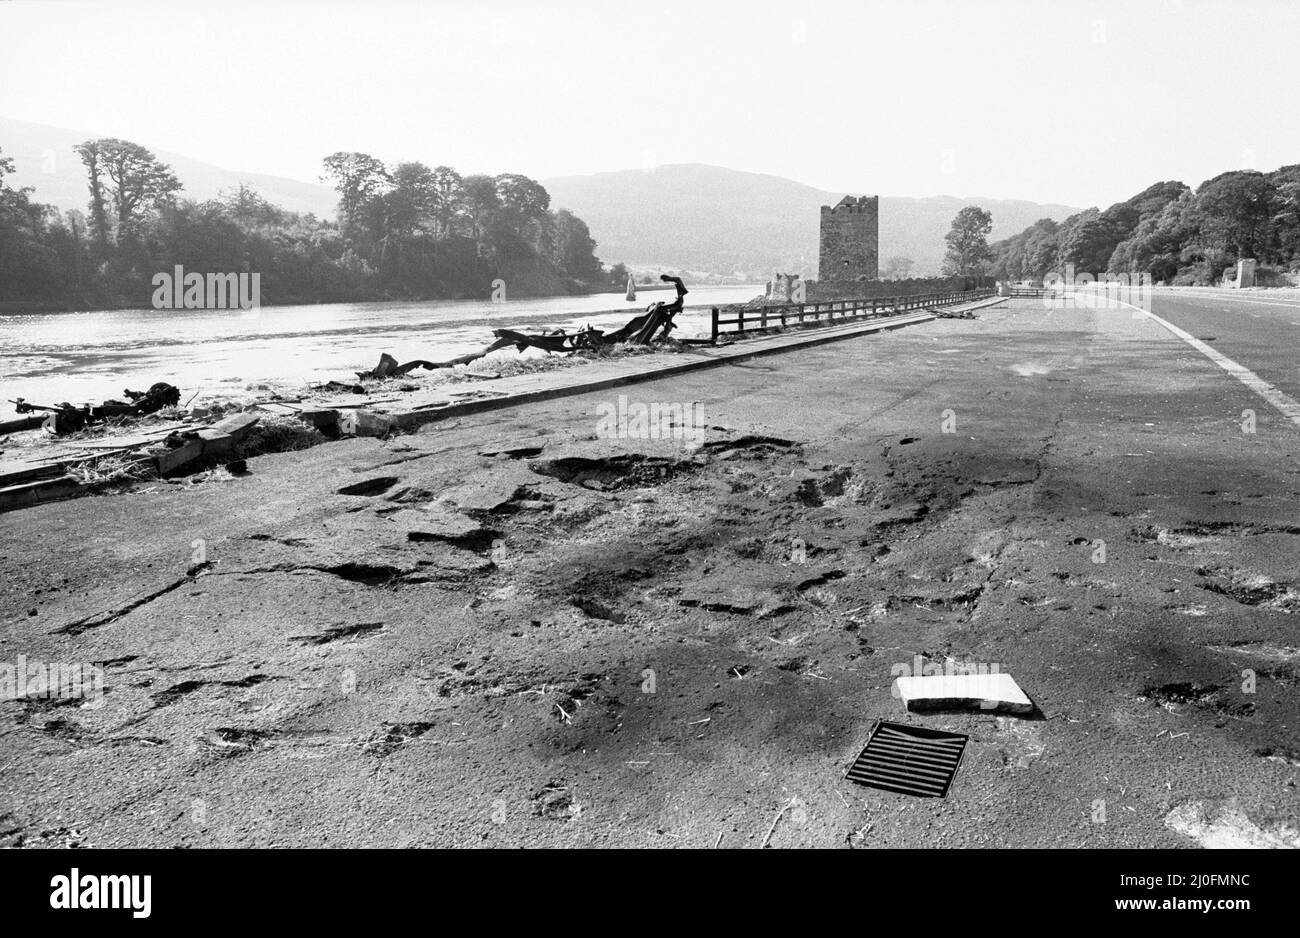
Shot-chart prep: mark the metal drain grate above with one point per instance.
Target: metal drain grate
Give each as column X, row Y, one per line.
column 911, row 760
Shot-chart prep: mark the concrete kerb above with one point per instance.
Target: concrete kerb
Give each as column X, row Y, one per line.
column 220, row 438
column 742, row 351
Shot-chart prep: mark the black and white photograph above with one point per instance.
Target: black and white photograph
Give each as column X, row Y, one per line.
column 843, row 425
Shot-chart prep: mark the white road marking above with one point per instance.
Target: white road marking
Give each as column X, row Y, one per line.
column 1287, row 406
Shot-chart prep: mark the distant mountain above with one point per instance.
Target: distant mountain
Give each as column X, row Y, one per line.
column 44, row 159
column 707, row 218
column 686, row 216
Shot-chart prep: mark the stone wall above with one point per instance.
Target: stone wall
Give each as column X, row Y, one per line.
column 1245, row 273
column 850, row 240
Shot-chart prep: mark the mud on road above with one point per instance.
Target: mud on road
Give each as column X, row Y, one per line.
column 506, row 631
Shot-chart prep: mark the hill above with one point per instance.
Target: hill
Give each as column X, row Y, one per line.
column 44, row 159
column 708, row 218
column 684, row 216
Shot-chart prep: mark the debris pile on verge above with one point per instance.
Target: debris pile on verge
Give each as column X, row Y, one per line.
column 97, row 445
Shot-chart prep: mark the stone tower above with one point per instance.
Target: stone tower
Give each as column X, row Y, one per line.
column 850, row 240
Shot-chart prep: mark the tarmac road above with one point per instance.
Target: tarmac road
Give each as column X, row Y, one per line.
column 1258, row 330
column 623, row 642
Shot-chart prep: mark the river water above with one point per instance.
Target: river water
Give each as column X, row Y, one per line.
column 89, row 356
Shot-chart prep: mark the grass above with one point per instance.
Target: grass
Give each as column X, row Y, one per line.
column 111, row 471
column 276, row 434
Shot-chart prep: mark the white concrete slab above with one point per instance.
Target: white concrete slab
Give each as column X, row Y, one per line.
column 988, row 692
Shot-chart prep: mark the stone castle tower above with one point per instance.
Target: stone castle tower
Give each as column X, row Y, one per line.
column 850, row 240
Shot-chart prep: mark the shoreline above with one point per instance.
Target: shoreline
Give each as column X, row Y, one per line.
column 375, row 408
column 119, row 303
column 88, row 356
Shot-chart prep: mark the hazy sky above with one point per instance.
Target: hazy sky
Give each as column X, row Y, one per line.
column 1080, row 102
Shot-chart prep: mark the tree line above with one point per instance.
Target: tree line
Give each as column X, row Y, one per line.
column 1171, row 232
column 405, row 232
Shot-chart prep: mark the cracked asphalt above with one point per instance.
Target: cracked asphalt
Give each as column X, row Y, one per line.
column 506, row 631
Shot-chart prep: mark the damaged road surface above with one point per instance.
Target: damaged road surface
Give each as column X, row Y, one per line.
column 504, row 630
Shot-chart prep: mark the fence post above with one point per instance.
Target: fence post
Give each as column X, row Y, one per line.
column 740, row 320
column 715, row 325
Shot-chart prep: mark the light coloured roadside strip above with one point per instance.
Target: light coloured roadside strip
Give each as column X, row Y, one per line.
column 1284, row 404
column 1279, row 301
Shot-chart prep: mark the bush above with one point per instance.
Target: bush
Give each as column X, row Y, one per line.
column 1270, row 277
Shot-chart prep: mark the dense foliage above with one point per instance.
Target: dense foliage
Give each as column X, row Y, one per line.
column 967, row 242
column 405, row 232
column 1169, row 231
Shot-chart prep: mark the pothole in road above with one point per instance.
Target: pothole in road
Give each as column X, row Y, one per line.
column 750, row 445
column 595, row 609
column 1212, row 697
column 393, row 736
column 374, row 486
column 171, row 695
column 339, row 633
column 231, row 741
column 1279, row 754
column 614, row 472
column 964, row 599
column 368, row 574
column 477, row 541
column 1250, row 589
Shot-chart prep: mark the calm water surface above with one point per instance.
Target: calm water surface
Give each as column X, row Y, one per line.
column 79, row 357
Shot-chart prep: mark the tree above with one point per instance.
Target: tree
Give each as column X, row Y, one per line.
column 1087, row 241
column 1286, row 218
column 89, row 153
column 128, row 178
column 898, row 268
column 358, row 178
column 479, row 203
column 410, row 232
column 968, row 246
column 247, row 207
column 1239, row 209
column 521, row 196
column 524, row 211
column 448, row 194
column 574, row 250
column 27, row 263
column 411, row 201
